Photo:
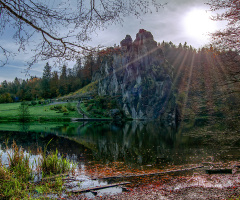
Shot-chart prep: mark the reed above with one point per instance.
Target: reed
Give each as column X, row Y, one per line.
column 16, row 179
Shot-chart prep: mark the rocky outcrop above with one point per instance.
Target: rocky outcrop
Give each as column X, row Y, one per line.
column 138, row 74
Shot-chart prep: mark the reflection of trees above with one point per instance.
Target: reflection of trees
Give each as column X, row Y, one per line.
column 132, row 143
column 31, row 141
column 24, row 127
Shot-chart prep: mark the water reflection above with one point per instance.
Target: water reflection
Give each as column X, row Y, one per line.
column 134, row 143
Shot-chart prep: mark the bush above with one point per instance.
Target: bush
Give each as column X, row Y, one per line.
column 33, row 103
column 40, row 102
column 6, row 98
column 91, row 101
column 70, row 107
column 64, row 109
column 58, row 107
column 89, row 107
column 95, row 111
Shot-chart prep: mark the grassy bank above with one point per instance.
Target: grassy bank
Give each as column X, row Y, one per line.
column 38, row 112
column 16, row 179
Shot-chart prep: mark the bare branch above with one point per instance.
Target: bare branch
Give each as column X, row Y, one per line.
column 64, row 29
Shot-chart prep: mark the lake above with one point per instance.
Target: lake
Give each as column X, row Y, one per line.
column 135, row 143
column 131, row 147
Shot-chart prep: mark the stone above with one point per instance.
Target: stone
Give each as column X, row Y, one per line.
column 141, row 77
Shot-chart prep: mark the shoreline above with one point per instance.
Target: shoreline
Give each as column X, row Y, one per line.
column 190, row 187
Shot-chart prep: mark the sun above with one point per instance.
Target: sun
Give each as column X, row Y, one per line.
column 198, row 24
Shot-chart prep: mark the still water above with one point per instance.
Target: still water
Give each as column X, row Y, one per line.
column 133, row 146
column 135, row 143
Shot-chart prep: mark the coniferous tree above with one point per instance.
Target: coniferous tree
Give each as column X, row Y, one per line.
column 45, row 85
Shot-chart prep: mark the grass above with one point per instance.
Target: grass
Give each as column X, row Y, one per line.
column 38, row 127
column 89, row 89
column 52, row 164
column 15, row 180
column 9, row 112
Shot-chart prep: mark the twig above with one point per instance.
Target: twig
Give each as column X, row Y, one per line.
column 99, row 187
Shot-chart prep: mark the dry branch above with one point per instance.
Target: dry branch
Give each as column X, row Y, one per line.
column 100, row 187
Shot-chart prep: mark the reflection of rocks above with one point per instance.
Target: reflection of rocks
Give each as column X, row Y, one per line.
column 140, row 77
column 116, row 115
column 134, row 142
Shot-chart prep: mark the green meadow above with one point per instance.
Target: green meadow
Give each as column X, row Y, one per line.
column 58, row 112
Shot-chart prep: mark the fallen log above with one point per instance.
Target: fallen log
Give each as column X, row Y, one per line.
column 99, row 187
column 219, row 171
column 150, row 174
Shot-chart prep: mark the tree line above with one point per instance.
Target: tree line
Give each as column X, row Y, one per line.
column 52, row 84
column 207, row 80
column 200, row 76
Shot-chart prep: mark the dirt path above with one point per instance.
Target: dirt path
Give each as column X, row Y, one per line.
column 81, row 112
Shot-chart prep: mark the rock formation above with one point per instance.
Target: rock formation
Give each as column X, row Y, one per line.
column 139, row 75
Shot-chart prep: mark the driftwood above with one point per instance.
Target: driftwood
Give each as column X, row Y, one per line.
column 219, row 171
column 99, row 187
column 151, row 174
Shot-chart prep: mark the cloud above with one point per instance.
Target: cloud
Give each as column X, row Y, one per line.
column 166, row 24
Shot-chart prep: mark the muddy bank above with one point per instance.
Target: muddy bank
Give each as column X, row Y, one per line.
column 190, row 187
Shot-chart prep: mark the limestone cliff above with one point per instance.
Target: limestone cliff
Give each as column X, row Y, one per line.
column 138, row 74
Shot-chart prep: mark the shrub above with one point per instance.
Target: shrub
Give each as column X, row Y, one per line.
column 11, row 187
column 91, row 101
column 33, row 103
column 89, row 107
column 40, row 102
column 64, row 109
column 95, row 111
column 70, row 107
column 58, row 107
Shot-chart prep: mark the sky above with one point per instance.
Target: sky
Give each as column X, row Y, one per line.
column 179, row 21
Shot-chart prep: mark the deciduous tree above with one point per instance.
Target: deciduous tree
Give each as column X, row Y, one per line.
column 229, row 11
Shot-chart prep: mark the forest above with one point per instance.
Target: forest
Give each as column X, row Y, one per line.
column 205, row 80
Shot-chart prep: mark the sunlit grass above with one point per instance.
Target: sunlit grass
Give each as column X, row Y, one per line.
column 10, row 112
